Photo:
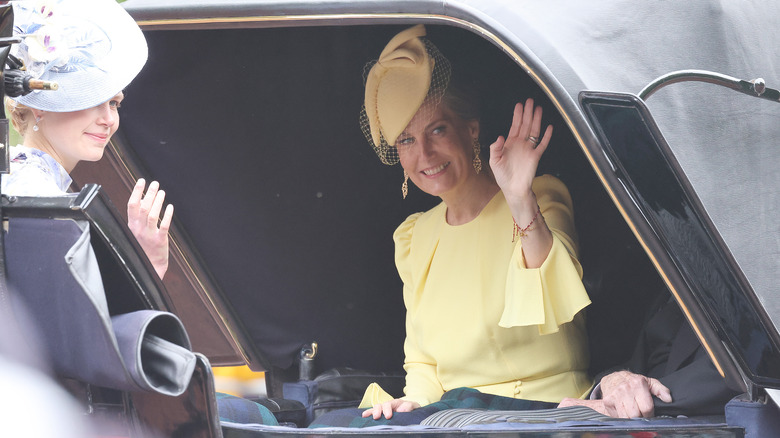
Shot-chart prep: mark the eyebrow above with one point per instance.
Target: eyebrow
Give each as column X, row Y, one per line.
column 431, row 123
column 437, row 121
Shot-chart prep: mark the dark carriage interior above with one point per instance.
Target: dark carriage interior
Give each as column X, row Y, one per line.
column 254, row 135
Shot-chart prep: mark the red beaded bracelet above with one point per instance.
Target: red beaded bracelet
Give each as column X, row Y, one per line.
column 522, row 232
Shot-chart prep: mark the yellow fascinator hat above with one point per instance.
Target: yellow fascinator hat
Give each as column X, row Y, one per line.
column 410, row 72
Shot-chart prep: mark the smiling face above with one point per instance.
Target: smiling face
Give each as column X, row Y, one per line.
column 74, row 136
column 436, row 150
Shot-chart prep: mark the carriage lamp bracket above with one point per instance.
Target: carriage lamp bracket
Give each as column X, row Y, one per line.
column 306, row 361
column 755, row 88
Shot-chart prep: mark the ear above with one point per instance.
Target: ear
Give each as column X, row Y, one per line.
column 38, row 114
column 473, row 126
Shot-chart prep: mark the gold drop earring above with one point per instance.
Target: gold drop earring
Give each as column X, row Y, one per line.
column 477, row 160
column 405, row 185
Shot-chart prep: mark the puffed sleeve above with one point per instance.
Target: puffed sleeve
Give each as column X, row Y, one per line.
column 422, row 385
column 552, row 294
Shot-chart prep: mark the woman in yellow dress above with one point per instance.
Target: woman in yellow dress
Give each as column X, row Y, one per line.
column 492, row 285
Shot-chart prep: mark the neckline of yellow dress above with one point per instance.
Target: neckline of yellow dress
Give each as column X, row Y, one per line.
column 487, row 206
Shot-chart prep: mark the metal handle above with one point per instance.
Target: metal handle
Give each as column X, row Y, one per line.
column 306, row 366
column 756, row 87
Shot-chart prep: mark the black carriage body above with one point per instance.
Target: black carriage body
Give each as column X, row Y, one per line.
column 247, row 114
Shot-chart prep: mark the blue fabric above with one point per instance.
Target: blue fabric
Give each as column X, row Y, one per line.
column 456, row 398
column 758, row 419
column 304, row 391
column 240, row 410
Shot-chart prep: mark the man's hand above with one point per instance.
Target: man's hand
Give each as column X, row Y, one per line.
column 596, row 405
column 629, row 395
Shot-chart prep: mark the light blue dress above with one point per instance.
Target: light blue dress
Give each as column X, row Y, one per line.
column 34, row 173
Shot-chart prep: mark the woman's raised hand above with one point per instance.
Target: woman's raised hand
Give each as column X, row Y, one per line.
column 514, row 160
column 387, row 408
column 143, row 214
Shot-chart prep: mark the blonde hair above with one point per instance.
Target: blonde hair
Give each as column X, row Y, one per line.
column 20, row 115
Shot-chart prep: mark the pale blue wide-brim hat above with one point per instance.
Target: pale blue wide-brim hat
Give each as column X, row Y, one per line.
column 91, row 48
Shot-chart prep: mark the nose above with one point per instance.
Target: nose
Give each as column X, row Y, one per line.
column 107, row 116
column 426, row 146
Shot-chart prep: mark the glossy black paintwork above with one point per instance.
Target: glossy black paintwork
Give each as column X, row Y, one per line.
column 646, row 168
column 124, row 266
column 210, row 215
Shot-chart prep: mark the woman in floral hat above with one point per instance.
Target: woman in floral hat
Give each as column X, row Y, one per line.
column 91, row 49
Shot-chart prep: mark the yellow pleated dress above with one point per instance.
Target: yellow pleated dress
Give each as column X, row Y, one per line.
column 477, row 317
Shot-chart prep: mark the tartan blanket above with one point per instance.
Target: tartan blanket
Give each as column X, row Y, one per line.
column 240, row 410
column 459, row 398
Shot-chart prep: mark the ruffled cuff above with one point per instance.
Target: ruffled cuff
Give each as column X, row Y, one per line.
column 373, row 396
column 548, row 296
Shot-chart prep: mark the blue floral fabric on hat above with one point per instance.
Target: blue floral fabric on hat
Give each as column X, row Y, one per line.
column 53, row 42
column 91, row 50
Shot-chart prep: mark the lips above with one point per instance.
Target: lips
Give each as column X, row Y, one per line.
column 97, row 137
column 434, row 170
